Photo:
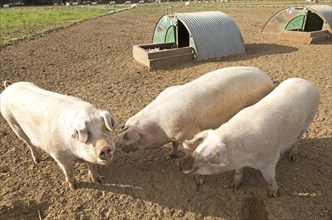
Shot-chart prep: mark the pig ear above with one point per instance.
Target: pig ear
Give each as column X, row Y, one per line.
column 218, row 155
column 188, row 144
column 80, row 132
column 109, row 120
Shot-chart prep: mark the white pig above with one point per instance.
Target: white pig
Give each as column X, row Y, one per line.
column 66, row 127
column 180, row 112
column 257, row 135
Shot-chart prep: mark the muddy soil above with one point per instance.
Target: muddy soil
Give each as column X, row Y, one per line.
column 93, row 60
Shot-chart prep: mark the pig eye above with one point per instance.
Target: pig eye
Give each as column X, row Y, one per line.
column 211, row 159
column 123, row 128
column 75, row 135
column 214, row 159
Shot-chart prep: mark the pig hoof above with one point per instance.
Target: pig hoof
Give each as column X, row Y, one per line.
column 171, row 156
column 73, row 186
column 99, row 180
column 291, row 157
column 235, row 185
column 36, row 159
column 200, row 180
column 273, row 193
column 35, row 156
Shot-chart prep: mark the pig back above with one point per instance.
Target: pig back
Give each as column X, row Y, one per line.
column 213, row 99
column 38, row 111
column 35, row 100
column 279, row 119
column 294, row 95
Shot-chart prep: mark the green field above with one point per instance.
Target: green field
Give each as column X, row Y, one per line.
column 28, row 22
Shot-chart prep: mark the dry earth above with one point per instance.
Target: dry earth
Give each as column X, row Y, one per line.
column 93, row 60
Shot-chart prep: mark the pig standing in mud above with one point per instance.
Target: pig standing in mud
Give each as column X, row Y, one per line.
column 180, row 112
column 65, row 127
column 256, row 136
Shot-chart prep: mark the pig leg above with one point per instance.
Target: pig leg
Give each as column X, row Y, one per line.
column 20, row 133
column 174, row 152
column 200, row 180
column 95, row 177
column 237, row 178
column 68, row 169
column 293, row 151
column 269, row 176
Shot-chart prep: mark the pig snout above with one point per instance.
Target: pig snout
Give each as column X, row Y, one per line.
column 105, row 153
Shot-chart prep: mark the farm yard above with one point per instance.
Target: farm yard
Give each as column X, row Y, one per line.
column 93, row 60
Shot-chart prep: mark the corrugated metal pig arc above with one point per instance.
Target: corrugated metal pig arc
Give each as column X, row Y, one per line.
column 215, row 34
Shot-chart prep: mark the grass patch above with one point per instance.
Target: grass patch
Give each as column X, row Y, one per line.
column 28, row 22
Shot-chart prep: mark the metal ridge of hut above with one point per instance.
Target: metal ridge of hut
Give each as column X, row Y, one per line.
column 212, row 34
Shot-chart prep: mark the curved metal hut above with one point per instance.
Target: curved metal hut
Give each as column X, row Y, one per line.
column 182, row 37
column 311, row 23
column 211, row 34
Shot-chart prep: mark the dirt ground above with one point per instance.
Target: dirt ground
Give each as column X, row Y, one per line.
column 93, row 60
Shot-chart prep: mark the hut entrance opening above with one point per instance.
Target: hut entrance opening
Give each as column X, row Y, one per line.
column 313, row 22
column 183, row 37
